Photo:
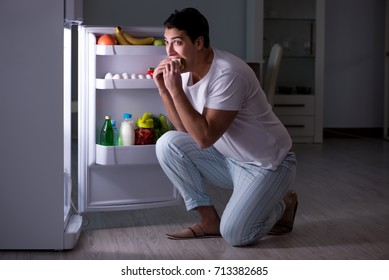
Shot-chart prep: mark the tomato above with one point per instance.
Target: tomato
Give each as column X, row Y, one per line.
column 144, row 136
column 150, row 71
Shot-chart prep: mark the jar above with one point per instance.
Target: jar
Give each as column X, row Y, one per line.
column 144, row 134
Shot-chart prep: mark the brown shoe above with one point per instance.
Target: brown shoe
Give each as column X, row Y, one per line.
column 285, row 224
column 191, row 232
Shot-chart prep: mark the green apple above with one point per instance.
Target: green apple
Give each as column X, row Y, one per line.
column 159, row 42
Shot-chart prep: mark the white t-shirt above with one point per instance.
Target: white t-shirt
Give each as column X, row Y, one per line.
column 256, row 135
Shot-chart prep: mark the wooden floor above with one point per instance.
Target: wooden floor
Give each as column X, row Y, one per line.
column 343, row 187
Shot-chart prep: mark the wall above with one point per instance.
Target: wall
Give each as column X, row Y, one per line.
column 226, row 17
column 354, row 63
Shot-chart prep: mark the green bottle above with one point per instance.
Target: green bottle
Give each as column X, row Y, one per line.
column 106, row 134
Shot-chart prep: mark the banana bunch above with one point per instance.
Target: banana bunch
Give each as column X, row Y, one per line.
column 124, row 38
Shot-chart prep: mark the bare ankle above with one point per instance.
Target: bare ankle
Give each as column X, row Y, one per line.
column 210, row 220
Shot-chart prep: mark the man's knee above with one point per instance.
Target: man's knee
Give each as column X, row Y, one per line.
column 165, row 140
column 231, row 234
column 239, row 237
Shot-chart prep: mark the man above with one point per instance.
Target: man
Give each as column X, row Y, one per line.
column 226, row 133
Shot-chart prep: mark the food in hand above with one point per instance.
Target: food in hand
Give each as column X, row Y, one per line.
column 107, row 39
column 130, row 40
column 180, row 63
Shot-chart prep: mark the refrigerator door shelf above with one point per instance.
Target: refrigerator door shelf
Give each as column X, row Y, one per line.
column 122, row 155
column 125, row 84
column 130, row 50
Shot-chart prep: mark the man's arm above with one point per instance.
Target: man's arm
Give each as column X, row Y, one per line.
column 206, row 127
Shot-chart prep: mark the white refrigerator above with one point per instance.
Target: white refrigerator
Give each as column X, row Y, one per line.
column 36, row 174
column 36, row 207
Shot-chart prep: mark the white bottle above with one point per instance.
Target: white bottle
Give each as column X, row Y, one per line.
column 127, row 131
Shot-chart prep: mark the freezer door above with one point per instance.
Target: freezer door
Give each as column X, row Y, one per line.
column 73, row 12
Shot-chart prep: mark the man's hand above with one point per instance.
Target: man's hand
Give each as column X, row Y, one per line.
column 158, row 76
column 167, row 76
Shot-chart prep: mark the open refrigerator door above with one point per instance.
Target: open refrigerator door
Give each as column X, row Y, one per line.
column 72, row 221
column 73, row 16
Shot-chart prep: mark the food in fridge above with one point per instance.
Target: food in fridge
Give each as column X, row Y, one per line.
column 127, row 131
column 106, row 133
column 126, row 39
column 106, row 39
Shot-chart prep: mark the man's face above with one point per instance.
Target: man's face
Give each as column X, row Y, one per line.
column 179, row 45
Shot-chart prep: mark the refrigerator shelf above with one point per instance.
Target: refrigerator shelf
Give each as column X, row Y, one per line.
column 130, row 50
column 125, row 84
column 122, row 155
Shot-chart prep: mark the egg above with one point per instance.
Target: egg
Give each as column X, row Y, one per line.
column 108, row 76
column 116, row 77
column 148, row 76
column 133, row 76
column 125, row 76
column 140, row 76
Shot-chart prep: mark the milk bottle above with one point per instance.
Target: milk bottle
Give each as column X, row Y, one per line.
column 127, row 131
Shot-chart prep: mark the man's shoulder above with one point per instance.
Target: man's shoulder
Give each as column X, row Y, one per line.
column 227, row 62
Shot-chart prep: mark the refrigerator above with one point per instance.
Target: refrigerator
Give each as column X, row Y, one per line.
column 36, row 173
column 37, row 210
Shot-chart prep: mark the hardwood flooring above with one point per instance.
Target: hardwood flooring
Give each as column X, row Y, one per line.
column 343, row 188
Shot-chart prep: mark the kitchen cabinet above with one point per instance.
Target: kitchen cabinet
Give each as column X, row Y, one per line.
column 299, row 27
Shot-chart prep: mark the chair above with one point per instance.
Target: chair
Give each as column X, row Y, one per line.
column 271, row 74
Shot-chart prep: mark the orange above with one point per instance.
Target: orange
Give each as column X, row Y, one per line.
column 106, row 39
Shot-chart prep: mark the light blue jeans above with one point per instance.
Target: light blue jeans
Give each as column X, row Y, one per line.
column 256, row 203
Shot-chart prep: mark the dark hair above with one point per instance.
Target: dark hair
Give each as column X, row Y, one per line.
column 191, row 21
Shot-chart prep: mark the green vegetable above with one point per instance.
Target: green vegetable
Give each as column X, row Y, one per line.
column 157, row 122
column 160, row 126
column 164, row 123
